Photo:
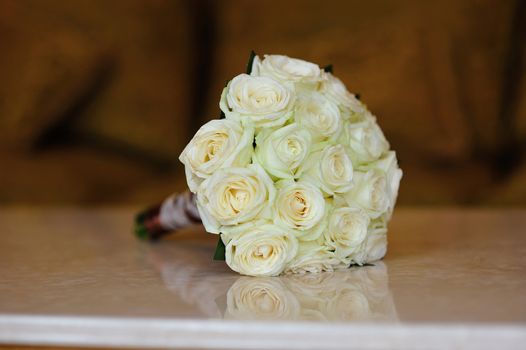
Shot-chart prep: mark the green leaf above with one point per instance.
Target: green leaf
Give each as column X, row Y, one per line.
column 250, row 61
column 140, row 230
column 220, row 250
column 328, row 68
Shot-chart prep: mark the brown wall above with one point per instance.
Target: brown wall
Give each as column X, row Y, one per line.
column 98, row 98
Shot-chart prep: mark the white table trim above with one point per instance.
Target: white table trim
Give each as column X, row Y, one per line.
column 223, row 334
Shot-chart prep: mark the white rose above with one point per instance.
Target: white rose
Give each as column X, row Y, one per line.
column 369, row 192
column 365, row 139
column 217, row 144
column 261, row 298
column 261, row 101
column 232, row 196
column 347, row 230
column 336, row 91
column 375, row 245
column 284, row 68
column 318, row 114
column 256, row 63
column 301, row 208
column 281, row 151
column 262, row 250
column 312, row 257
column 330, row 168
column 389, row 165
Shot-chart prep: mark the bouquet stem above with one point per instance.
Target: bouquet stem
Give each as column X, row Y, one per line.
column 174, row 213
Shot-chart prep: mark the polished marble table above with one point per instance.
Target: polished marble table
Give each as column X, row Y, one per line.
column 453, row 278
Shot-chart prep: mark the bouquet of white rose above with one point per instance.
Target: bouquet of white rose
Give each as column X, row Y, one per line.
column 296, row 176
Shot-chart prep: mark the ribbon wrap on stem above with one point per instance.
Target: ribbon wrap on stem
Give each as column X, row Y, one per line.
column 174, row 213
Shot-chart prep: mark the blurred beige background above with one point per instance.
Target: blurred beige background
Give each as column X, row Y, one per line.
column 98, row 98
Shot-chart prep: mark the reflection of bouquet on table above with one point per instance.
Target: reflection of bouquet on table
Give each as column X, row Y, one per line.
column 360, row 294
column 296, row 176
column 357, row 295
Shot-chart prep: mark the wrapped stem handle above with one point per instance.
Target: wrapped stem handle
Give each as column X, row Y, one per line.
column 174, row 213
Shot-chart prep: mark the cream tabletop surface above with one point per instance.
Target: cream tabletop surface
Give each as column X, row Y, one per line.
column 452, row 278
